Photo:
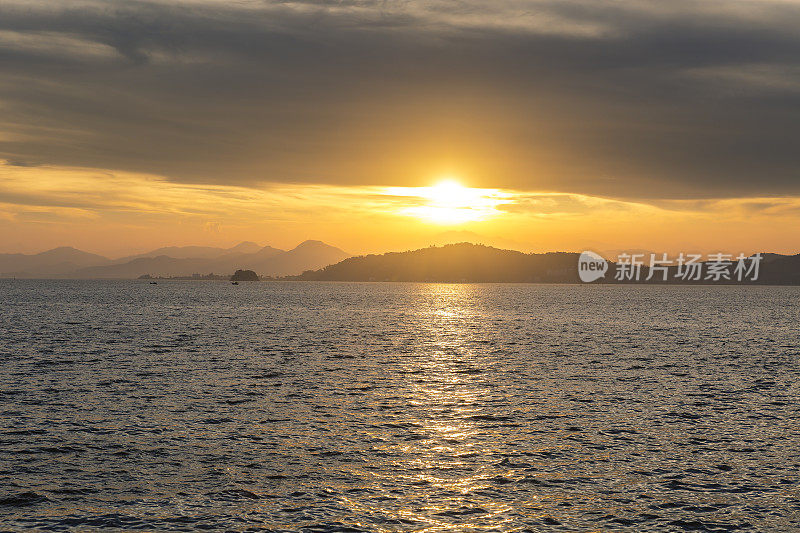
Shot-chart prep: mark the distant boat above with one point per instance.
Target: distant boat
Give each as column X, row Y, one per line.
column 153, row 283
column 234, row 282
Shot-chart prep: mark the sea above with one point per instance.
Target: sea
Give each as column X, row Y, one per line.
column 387, row 407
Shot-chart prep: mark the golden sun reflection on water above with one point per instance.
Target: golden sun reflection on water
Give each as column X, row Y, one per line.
column 445, row 389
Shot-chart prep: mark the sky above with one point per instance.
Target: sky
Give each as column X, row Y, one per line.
column 570, row 124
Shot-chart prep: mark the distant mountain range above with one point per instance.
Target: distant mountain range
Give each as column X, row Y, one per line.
column 52, row 263
column 197, row 252
column 465, row 262
column 68, row 262
column 317, row 261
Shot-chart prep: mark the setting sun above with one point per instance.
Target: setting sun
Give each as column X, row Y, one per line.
column 450, row 202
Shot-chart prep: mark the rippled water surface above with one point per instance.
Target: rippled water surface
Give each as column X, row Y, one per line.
column 398, row 407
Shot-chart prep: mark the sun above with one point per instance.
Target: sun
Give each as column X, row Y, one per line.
column 450, row 193
column 450, row 202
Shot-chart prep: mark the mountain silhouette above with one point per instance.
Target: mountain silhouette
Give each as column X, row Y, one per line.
column 463, row 262
column 266, row 260
column 308, row 252
column 49, row 263
column 780, row 269
column 195, row 252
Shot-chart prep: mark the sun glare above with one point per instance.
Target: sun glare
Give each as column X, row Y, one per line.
column 450, row 202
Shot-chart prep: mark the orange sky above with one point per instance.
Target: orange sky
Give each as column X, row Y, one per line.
column 633, row 124
column 118, row 213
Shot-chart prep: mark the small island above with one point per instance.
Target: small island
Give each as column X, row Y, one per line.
column 244, row 275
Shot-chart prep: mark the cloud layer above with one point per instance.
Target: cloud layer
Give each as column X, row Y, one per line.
column 624, row 98
column 119, row 213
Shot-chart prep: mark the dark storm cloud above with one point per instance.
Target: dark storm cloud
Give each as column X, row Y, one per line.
column 629, row 98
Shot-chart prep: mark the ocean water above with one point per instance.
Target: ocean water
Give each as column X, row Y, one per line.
column 383, row 407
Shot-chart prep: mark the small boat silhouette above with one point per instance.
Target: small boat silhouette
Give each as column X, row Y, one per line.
column 234, row 282
column 153, row 283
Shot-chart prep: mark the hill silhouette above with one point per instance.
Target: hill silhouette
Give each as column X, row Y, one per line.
column 244, row 275
column 463, row 262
